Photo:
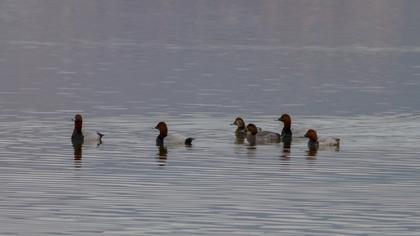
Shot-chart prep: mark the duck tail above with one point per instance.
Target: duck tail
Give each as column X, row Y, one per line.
column 188, row 141
column 100, row 135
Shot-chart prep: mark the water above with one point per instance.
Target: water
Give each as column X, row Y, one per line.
column 346, row 68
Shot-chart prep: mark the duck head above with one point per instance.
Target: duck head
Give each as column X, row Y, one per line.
column 163, row 129
column 78, row 122
column 311, row 134
column 286, row 119
column 252, row 129
column 239, row 122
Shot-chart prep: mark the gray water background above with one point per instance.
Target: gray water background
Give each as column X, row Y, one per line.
column 346, row 68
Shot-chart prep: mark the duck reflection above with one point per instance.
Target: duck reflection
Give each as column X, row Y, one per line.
column 311, row 153
column 251, row 151
column 77, row 155
column 162, row 155
column 286, row 150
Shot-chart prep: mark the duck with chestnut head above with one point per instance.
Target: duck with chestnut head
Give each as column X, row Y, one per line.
column 81, row 136
column 165, row 138
column 314, row 142
column 286, row 132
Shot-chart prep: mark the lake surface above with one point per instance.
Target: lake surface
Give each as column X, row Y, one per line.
column 345, row 68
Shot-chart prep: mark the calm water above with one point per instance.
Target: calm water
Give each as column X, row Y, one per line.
column 346, row 68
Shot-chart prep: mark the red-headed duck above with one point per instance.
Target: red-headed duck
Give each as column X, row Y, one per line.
column 81, row 136
column 286, row 133
column 314, row 143
column 164, row 138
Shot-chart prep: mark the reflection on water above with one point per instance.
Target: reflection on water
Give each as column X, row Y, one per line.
column 286, row 150
column 77, row 152
column 311, row 153
column 162, row 155
column 251, row 151
column 77, row 156
column 216, row 183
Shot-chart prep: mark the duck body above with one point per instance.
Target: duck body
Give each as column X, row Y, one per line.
column 240, row 135
column 330, row 142
column 77, row 138
column 172, row 139
column 89, row 137
column 286, row 134
column 258, row 137
column 313, row 145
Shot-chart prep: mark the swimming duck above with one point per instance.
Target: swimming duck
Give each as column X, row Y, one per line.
column 240, row 131
column 172, row 139
column 81, row 136
column 241, row 128
column 286, row 133
column 256, row 136
column 314, row 143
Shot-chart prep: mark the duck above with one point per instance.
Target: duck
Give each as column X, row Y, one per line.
column 241, row 128
column 81, row 136
column 164, row 138
column 314, row 143
column 286, row 132
column 240, row 132
column 256, row 136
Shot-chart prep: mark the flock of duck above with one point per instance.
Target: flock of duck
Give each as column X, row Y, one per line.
column 257, row 136
column 253, row 134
